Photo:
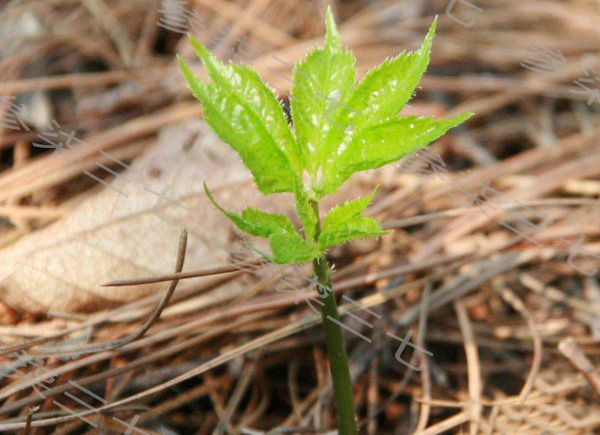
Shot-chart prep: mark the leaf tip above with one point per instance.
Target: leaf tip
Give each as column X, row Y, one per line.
column 208, row 59
column 427, row 43
column 332, row 36
column 198, row 47
column 463, row 117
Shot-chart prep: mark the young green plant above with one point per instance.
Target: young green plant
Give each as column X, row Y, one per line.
column 315, row 157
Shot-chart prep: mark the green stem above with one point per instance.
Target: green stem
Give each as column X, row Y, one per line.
column 338, row 360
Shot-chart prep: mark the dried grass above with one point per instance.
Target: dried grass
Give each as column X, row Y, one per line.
column 492, row 306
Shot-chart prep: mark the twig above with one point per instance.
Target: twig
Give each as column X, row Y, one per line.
column 113, row 29
column 569, row 349
column 406, row 222
column 510, row 297
column 473, row 366
column 237, row 395
column 206, row 272
column 445, row 425
column 30, row 413
column 425, row 373
column 142, row 330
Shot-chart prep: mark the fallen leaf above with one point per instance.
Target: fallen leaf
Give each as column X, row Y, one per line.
column 109, row 236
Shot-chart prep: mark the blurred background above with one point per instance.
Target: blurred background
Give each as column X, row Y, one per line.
column 496, row 291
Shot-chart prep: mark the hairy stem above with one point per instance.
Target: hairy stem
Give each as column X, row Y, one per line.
column 338, row 360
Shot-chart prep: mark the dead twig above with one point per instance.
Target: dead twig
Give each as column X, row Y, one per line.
column 575, row 354
column 99, row 347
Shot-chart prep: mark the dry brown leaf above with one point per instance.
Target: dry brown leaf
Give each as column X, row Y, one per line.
column 109, row 236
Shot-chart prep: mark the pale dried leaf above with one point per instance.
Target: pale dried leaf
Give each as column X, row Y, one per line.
column 110, row 237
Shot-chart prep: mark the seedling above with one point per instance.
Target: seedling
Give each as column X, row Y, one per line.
column 314, row 157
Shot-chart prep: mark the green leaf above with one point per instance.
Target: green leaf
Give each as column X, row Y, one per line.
column 358, row 227
column 381, row 94
column 287, row 246
column 346, row 211
column 344, row 223
column 291, row 248
column 247, row 115
column 307, row 215
column 323, row 73
column 339, row 129
column 378, row 145
column 257, row 222
column 385, row 89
